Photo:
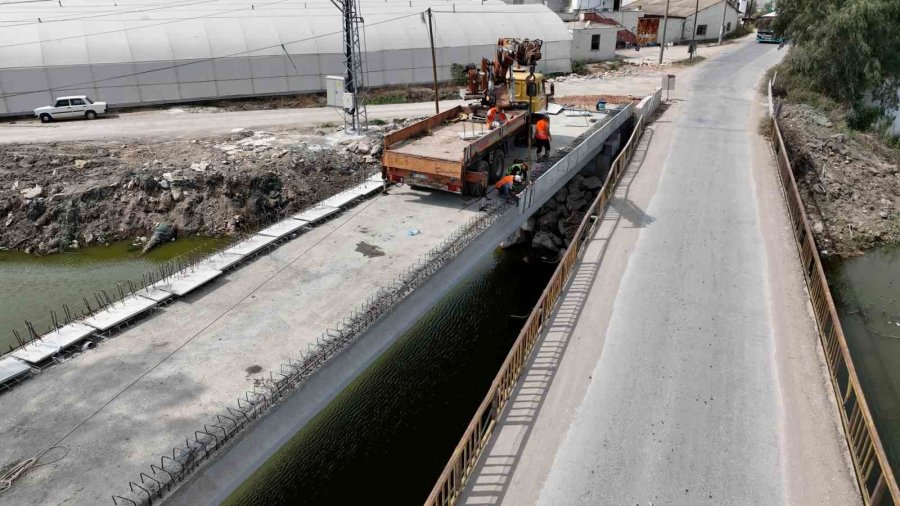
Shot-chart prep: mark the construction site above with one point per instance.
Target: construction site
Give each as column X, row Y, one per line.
column 352, row 253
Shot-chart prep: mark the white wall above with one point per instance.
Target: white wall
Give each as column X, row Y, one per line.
column 712, row 18
column 581, row 43
column 673, row 31
column 628, row 19
column 599, row 5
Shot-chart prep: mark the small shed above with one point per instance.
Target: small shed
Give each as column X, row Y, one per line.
column 680, row 23
column 592, row 42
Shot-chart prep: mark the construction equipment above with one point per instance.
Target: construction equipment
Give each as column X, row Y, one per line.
column 456, row 150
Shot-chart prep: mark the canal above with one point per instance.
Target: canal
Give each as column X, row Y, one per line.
column 34, row 285
column 867, row 294
column 386, row 438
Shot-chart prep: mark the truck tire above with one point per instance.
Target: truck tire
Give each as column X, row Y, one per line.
column 46, row 118
column 498, row 166
column 479, row 190
column 90, row 115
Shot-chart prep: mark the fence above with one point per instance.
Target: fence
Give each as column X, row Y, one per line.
column 453, row 479
column 873, row 471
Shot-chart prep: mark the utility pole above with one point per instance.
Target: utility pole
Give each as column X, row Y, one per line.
column 437, row 108
column 693, row 47
column 355, row 118
column 722, row 26
column 662, row 45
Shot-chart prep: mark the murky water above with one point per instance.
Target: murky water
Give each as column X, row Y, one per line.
column 31, row 286
column 387, row 437
column 867, row 293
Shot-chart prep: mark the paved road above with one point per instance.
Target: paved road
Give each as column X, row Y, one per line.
column 682, row 366
column 177, row 122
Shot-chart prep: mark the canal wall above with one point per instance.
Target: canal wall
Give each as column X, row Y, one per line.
column 351, row 352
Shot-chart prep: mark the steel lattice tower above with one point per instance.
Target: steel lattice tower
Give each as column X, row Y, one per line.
column 355, row 119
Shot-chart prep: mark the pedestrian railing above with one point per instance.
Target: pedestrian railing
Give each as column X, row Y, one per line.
column 876, row 480
column 453, row 479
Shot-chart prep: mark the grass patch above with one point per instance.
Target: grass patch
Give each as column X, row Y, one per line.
column 690, row 61
column 580, row 68
column 377, row 122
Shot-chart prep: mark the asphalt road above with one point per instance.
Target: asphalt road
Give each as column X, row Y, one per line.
column 682, row 366
column 180, row 122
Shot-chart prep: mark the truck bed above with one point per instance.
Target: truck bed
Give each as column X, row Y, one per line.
column 444, row 142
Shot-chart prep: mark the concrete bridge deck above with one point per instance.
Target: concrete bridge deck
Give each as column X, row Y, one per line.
column 682, row 364
column 117, row 408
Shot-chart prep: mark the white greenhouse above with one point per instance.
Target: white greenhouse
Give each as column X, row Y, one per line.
column 131, row 52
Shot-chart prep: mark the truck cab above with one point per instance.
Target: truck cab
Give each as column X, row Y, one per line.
column 540, row 94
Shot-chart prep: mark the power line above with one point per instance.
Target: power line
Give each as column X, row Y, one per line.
column 110, row 13
column 86, row 35
column 194, row 62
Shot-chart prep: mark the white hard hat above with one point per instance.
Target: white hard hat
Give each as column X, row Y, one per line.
column 518, row 178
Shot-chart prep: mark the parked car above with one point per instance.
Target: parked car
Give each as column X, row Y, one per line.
column 70, row 107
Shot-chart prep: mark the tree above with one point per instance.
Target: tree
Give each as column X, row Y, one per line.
column 845, row 48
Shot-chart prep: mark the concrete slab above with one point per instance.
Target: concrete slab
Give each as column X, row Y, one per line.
column 251, row 245
column 155, row 294
column 376, row 178
column 283, row 228
column 188, row 280
column 341, row 199
column 316, row 213
column 49, row 344
column 221, row 261
column 12, row 369
column 122, row 310
column 370, row 187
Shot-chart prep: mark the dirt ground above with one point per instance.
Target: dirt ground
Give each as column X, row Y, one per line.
column 70, row 194
column 850, row 182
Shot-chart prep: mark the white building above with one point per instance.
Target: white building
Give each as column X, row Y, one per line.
column 150, row 52
column 592, row 42
column 680, row 23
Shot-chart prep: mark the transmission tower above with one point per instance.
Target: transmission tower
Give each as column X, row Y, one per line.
column 355, row 119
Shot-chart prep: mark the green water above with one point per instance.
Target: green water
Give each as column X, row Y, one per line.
column 31, row 286
column 867, row 293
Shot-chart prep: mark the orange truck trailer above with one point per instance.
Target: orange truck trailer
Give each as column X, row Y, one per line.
column 453, row 151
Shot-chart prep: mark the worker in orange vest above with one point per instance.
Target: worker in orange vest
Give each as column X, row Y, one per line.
column 495, row 117
column 505, row 184
column 542, row 137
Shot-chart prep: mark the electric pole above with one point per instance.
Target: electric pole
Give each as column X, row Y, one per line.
column 693, row 47
column 722, row 26
column 437, row 108
column 355, row 119
column 662, row 45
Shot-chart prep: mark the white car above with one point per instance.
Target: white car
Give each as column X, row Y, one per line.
column 70, row 107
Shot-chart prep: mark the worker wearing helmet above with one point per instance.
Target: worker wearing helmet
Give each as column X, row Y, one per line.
column 495, row 117
column 505, row 184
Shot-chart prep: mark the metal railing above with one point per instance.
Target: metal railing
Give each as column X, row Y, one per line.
column 464, row 458
column 876, row 480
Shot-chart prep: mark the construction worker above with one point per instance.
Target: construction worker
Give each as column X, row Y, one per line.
column 542, row 136
column 505, row 184
column 495, row 117
column 519, row 168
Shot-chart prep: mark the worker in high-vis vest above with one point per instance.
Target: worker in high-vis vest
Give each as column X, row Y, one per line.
column 495, row 117
column 542, row 137
column 505, row 184
column 518, row 167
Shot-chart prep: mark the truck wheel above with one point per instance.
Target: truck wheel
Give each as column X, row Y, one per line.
column 90, row 115
column 497, row 167
column 46, row 118
column 485, row 168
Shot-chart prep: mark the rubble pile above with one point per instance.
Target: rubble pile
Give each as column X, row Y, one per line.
column 550, row 230
column 850, row 184
column 68, row 195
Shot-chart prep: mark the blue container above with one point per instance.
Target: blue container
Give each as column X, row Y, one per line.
column 601, row 105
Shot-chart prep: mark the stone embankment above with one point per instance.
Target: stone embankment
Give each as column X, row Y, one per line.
column 849, row 182
column 61, row 196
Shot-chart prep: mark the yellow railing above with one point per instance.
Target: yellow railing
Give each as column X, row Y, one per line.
column 877, row 482
column 453, row 479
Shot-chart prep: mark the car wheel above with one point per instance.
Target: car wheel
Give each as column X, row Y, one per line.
column 90, row 115
column 46, row 118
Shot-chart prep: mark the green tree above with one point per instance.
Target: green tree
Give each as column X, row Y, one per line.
column 844, row 48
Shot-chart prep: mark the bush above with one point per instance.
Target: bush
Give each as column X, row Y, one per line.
column 741, row 30
column 458, row 74
column 579, row 67
column 377, row 122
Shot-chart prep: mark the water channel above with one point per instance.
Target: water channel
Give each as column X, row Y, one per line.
column 387, row 437
column 34, row 285
column 867, row 294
